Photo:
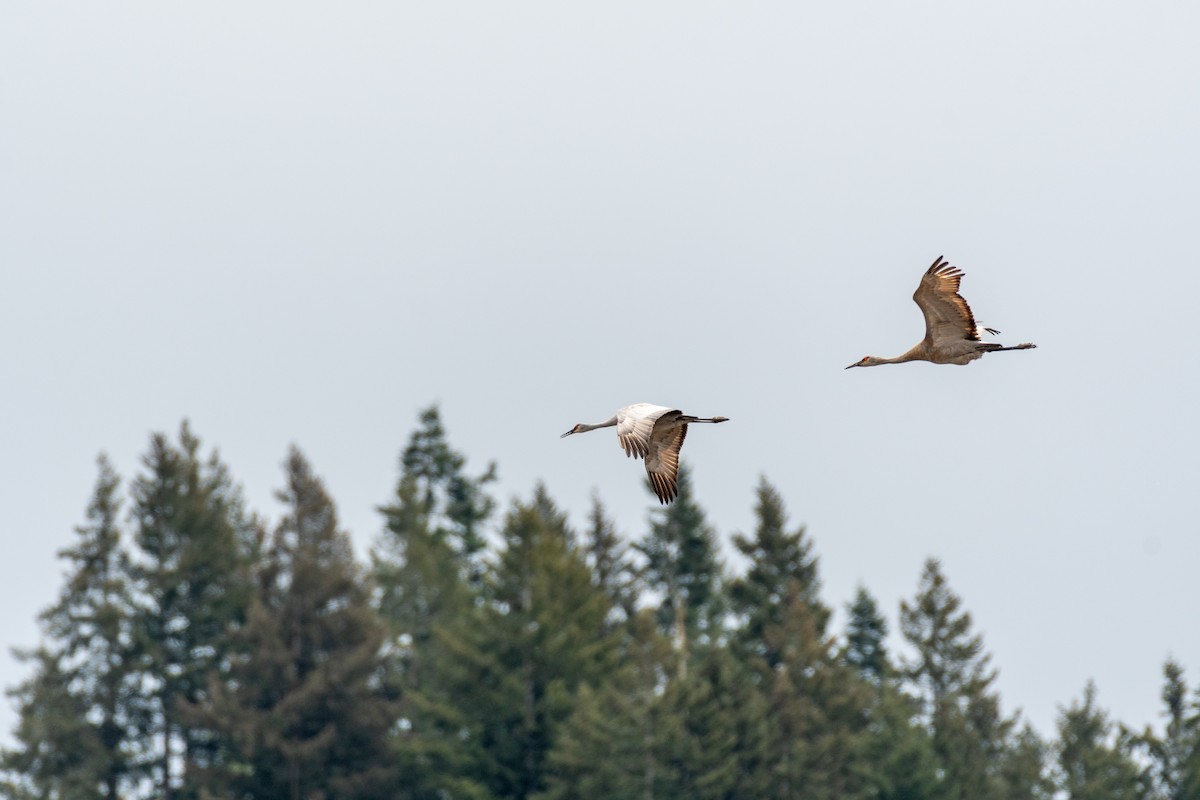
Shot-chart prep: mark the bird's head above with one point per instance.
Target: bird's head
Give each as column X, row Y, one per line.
column 577, row 429
column 865, row 361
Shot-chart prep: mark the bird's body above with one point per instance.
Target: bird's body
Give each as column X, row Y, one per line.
column 654, row 433
column 951, row 334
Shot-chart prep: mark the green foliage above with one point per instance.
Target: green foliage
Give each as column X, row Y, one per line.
column 195, row 546
column 83, row 709
column 683, row 567
column 782, row 573
column 452, row 504
column 300, row 709
column 1175, row 755
column 1094, row 762
column 544, row 636
column 952, row 680
column 211, row 661
column 866, row 631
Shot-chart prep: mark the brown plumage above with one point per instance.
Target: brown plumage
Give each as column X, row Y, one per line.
column 951, row 333
column 655, row 433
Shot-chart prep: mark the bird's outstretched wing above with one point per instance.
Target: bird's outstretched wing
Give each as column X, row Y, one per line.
column 662, row 461
column 947, row 316
column 635, row 424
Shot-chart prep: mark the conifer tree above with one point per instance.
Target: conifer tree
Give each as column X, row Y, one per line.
column 543, row 637
column 82, row 711
column 683, row 567
column 866, row 631
column 427, row 565
column 952, row 680
column 1094, row 762
column 782, row 572
column 1175, row 755
column 614, row 745
column 816, row 705
column 712, row 729
column 613, row 570
column 301, row 708
column 898, row 752
column 194, row 548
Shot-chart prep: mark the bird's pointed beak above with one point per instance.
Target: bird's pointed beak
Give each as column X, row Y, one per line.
column 568, row 433
column 855, row 364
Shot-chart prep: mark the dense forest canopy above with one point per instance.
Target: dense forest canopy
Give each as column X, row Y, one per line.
column 484, row 652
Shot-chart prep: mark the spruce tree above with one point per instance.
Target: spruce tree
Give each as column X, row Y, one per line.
column 609, row 559
column 816, row 705
column 1094, row 761
column 953, row 682
column 301, row 706
column 1175, row 755
column 428, row 568
column 866, row 631
column 897, row 750
column 194, row 544
column 782, row 571
column 682, row 566
column 615, row 743
column 82, row 711
column 544, row 636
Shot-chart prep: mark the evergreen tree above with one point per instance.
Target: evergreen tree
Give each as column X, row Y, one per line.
column 613, row 746
column 194, row 545
column 897, row 750
column 1094, row 763
column 301, row 708
column 81, row 712
column 782, row 566
column 428, row 569
column 815, row 705
column 58, row 749
column 865, row 634
column 543, row 637
column 952, row 680
column 712, row 729
column 613, row 571
column 683, row 567
column 455, row 505
column 1175, row 756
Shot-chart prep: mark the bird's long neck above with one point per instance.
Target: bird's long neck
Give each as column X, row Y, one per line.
column 608, row 423
column 914, row 354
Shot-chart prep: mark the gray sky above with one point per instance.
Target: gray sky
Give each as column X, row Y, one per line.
column 305, row 222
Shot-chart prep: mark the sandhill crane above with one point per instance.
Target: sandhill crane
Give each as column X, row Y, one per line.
column 654, row 433
column 951, row 335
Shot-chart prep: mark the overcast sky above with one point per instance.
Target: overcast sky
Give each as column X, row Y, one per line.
column 306, row 222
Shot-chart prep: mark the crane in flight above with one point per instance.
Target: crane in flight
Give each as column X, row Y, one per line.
column 951, row 335
column 654, row 433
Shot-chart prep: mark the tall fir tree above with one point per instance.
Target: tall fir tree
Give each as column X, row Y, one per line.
column 428, row 568
column 302, row 709
column 683, row 567
column 82, row 712
column 194, row 547
column 866, row 632
column 814, row 705
column 1175, row 755
column 782, row 571
column 609, row 558
column 615, row 744
column 544, row 636
column 1094, row 761
column 953, row 682
column 898, row 751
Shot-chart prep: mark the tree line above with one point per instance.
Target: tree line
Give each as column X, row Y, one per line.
column 196, row 652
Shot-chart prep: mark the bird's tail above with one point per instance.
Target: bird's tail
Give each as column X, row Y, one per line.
column 989, row 347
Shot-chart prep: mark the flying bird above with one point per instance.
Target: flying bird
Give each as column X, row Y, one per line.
column 654, row 433
column 951, row 335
